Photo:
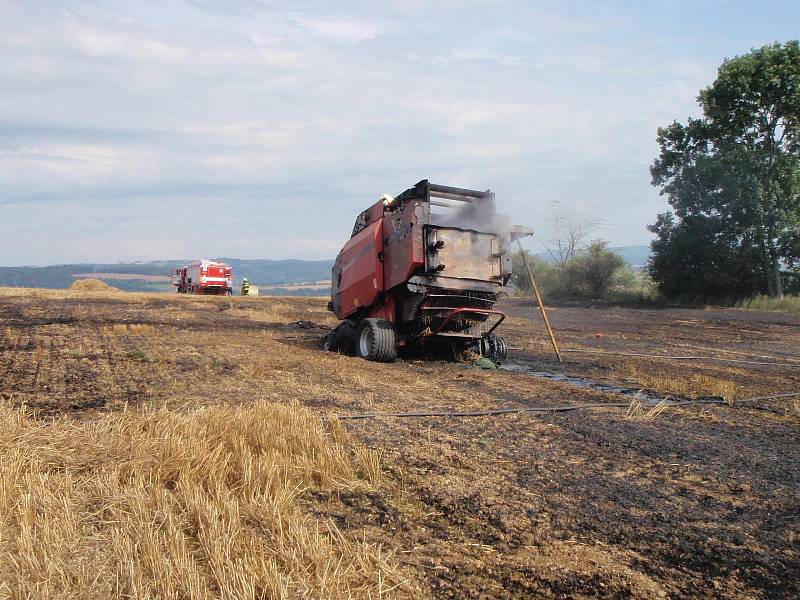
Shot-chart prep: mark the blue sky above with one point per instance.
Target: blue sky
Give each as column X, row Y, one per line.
column 258, row 129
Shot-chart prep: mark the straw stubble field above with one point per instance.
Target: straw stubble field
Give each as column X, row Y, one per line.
column 181, row 447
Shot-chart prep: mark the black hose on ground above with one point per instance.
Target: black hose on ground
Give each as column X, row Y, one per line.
column 553, row 409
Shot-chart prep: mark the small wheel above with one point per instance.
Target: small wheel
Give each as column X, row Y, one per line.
column 495, row 348
column 376, row 340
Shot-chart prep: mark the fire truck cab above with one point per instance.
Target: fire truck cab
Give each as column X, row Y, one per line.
column 204, row 277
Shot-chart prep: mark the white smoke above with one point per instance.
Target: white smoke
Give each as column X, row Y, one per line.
column 475, row 216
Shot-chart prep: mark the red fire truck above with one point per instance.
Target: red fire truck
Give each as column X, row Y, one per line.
column 204, row 277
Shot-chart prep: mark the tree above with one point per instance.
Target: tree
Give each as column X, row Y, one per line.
column 593, row 270
column 542, row 271
column 570, row 235
column 685, row 264
column 732, row 178
column 591, row 273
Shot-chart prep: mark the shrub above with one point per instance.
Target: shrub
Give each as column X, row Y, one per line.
column 594, row 273
column 591, row 272
column 787, row 303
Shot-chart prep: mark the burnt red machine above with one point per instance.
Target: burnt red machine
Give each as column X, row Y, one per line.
column 422, row 269
column 204, row 277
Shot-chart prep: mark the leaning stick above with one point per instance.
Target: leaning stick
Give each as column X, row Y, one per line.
column 539, row 300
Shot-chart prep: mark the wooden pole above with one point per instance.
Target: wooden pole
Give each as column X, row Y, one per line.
column 539, row 300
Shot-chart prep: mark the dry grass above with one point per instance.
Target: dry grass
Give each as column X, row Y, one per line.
column 260, row 312
column 91, row 285
column 108, row 293
column 10, row 336
column 692, row 384
column 785, row 304
column 167, row 504
column 134, row 329
column 210, row 503
column 638, row 410
column 794, row 407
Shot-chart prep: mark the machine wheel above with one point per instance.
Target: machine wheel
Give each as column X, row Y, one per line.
column 376, row 340
column 495, row 348
column 329, row 343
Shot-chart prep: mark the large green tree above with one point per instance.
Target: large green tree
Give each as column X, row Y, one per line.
column 732, row 178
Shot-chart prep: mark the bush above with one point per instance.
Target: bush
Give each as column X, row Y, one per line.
column 544, row 271
column 786, row 304
column 631, row 285
column 591, row 272
column 595, row 273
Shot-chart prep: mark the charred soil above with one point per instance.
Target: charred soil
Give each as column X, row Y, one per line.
column 701, row 501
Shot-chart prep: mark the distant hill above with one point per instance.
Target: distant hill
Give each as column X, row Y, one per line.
column 277, row 276
column 636, row 256
column 155, row 275
column 271, row 272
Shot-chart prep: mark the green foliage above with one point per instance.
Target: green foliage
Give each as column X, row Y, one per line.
column 593, row 273
column 544, row 272
column 631, row 285
column 785, row 304
column 701, row 258
column 791, row 282
column 733, row 181
column 138, row 355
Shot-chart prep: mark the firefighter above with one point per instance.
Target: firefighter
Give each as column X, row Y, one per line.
column 245, row 287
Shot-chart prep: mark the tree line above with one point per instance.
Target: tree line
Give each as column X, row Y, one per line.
column 732, row 180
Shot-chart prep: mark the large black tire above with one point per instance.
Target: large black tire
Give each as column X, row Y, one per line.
column 341, row 339
column 376, row 340
column 329, row 343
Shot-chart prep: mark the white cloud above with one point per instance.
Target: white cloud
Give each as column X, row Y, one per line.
column 485, row 54
column 291, row 120
column 338, row 29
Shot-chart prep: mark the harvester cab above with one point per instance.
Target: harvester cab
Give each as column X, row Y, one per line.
column 423, row 269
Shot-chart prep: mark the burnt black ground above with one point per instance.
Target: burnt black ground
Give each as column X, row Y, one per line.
column 701, row 501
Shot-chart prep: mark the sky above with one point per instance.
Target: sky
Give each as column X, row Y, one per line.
column 259, row 129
